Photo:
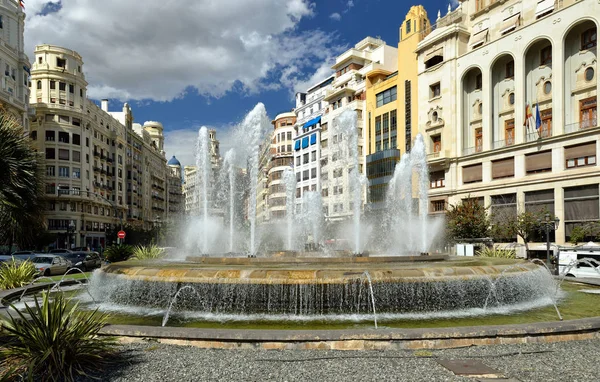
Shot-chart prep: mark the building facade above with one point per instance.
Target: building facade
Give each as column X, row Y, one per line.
column 391, row 107
column 309, row 110
column 508, row 108
column 281, row 158
column 100, row 166
column 14, row 90
column 347, row 92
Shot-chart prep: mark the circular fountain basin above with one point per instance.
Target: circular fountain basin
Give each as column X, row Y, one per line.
column 324, row 285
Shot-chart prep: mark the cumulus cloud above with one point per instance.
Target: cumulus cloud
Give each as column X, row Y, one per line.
column 159, row 50
column 335, row 16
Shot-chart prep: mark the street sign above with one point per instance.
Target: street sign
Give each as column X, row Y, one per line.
column 121, row 234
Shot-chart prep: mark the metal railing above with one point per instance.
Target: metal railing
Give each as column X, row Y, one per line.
column 582, row 125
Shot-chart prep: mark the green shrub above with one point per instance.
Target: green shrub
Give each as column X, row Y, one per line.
column 56, row 342
column 119, row 252
column 15, row 274
column 497, row 252
column 147, row 252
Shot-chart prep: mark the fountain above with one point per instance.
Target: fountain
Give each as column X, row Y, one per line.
column 318, row 282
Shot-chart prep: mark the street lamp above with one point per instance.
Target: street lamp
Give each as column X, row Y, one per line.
column 70, row 231
column 548, row 224
column 157, row 222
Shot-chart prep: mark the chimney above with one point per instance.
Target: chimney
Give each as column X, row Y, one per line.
column 104, row 105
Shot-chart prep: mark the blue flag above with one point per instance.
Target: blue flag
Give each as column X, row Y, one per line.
column 538, row 117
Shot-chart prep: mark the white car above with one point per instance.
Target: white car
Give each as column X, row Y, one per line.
column 48, row 265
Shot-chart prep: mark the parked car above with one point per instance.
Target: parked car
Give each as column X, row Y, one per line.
column 60, row 250
column 51, row 264
column 5, row 258
column 24, row 255
column 81, row 249
column 85, row 261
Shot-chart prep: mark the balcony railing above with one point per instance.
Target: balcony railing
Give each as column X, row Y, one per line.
column 579, row 126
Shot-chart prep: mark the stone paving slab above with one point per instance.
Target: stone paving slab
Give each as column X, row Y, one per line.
column 469, row 368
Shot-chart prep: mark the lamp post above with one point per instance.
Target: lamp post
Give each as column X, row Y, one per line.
column 70, row 231
column 157, row 222
column 548, row 224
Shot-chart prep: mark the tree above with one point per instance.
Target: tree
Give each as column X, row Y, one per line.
column 466, row 220
column 21, row 185
column 523, row 225
column 589, row 231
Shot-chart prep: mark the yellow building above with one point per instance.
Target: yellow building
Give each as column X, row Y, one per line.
column 392, row 114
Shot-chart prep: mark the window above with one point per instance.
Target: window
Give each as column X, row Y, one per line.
column 589, row 74
column 588, row 114
column 76, row 173
column 511, row 99
column 546, row 55
column 63, row 172
column 580, row 206
column 386, row 96
column 510, row 69
column 64, row 119
column 438, row 206
column 39, row 85
column 77, row 139
column 434, row 90
column 61, row 63
column 50, row 153
column 50, row 170
column 588, row 39
column 547, row 87
column 62, row 86
column 52, row 85
column 313, row 156
column 437, row 179
column 313, row 173
column 305, row 158
column 478, row 140
column 546, row 128
column 305, row 175
column 33, row 135
column 538, row 162
column 437, row 143
column 63, row 137
column 298, row 161
column 503, row 168
column 581, row 155
column 63, row 154
column 509, row 132
column 478, row 82
column 71, row 88
column 408, row 26
column 50, row 135
column 76, row 122
column 298, row 177
column 76, row 156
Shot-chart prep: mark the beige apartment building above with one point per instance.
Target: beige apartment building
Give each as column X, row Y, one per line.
column 347, row 91
column 479, row 68
column 282, row 158
column 102, row 170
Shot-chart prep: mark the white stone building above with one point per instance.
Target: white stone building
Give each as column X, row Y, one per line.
column 478, row 70
column 14, row 64
column 309, row 110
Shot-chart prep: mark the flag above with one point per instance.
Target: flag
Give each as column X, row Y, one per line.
column 538, row 117
column 528, row 116
column 22, row 4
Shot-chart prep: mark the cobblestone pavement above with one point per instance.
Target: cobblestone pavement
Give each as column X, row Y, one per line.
column 150, row 361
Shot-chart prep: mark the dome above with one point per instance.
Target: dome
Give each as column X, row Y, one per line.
column 173, row 162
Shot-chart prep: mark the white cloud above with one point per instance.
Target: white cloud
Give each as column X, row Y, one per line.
column 335, row 16
column 350, row 4
column 156, row 49
column 297, row 83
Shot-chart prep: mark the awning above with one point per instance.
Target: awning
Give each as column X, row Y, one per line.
column 297, row 145
column 478, row 39
column 312, row 122
column 313, row 139
column 510, row 23
column 543, row 7
column 435, row 52
column 304, row 142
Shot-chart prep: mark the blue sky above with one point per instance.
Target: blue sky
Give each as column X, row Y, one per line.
column 212, row 63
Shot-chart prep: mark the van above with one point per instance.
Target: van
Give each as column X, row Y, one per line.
column 583, row 261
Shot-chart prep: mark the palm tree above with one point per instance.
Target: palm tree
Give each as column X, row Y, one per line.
column 21, row 185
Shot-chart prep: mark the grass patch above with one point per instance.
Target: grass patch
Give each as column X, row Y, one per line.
column 73, row 276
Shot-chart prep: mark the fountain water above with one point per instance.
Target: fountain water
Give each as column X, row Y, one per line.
column 312, row 218
column 202, row 181
column 228, row 178
column 168, row 311
column 366, row 273
column 345, row 150
column 289, row 178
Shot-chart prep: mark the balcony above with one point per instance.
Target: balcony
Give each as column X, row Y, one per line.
column 580, row 126
column 502, row 143
column 96, row 154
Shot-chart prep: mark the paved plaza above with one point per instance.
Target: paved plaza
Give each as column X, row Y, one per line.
column 149, row 361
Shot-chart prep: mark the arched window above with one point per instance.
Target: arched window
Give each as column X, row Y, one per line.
column 39, row 85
